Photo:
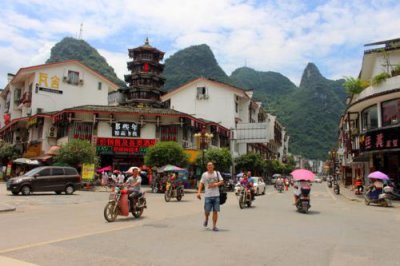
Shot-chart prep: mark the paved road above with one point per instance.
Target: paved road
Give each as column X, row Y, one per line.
column 70, row 230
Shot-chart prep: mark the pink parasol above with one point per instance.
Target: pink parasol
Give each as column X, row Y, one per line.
column 104, row 169
column 378, row 175
column 303, row 174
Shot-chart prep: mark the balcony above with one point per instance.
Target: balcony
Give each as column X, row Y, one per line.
column 386, row 86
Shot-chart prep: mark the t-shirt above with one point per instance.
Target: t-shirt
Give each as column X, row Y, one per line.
column 132, row 180
column 207, row 179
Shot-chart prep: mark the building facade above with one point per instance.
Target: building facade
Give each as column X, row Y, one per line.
column 254, row 130
column 369, row 135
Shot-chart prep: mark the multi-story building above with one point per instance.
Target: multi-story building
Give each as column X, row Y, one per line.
column 254, row 130
column 369, row 136
column 33, row 93
column 51, row 104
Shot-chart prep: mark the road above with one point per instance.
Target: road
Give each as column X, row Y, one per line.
column 48, row 229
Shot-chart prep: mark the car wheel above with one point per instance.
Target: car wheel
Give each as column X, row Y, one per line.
column 258, row 192
column 69, row 190
column 263, row 192
column 26, row 190
column 58, row 192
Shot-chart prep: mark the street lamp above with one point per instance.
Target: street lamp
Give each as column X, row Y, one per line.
column 204, row 139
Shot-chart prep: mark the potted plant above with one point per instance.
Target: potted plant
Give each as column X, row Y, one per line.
column 396, row 70
column 354, row 85
column 380, row 78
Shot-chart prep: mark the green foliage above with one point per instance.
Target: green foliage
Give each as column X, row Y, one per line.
column 354, row 85
column 166, row 152
column 380, row 78
column 251, row 162
column 191, row 63
column 76, row 152
column 8, row 152
column 221, row 158
column 71, row 48
column 311, row 113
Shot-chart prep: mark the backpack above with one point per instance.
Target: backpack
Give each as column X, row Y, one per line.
column 223, row 195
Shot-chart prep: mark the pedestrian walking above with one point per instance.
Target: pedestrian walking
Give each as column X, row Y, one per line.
column 210, row 180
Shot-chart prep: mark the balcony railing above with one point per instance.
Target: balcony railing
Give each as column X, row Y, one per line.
column 386, row 86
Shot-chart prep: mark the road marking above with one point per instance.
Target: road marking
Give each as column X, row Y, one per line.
column 34, row 245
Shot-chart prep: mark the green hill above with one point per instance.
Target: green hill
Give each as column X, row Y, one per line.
column 191, row 63
column 71, row 48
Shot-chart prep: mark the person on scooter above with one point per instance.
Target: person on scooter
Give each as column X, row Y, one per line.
column 297, row 189
column 375, row 188
column 133, row 183
column 358, row 185
column 279, row 182
column 248, row 185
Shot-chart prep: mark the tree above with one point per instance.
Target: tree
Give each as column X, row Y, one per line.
column 76, row 152
column 221, row 158
column 166, row 152
column 251, row 162
column 8, row 152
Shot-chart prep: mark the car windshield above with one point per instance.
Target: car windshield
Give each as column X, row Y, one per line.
column 33, row 171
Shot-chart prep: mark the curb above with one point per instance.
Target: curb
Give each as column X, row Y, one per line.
column 7, row 208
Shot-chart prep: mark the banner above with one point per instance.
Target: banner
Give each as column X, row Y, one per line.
column 87, row 171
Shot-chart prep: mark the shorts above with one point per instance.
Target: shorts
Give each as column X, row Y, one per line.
column 211, row 204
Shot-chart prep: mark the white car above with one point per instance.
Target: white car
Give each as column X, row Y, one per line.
column 259, row 186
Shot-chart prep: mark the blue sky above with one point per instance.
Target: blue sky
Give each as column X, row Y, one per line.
column 280, row 36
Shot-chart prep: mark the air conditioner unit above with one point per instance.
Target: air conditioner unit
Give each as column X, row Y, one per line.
column 52, row 132
column 39, row 110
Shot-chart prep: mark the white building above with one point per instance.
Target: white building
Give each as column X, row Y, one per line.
column 253, row 129
column 34, row 92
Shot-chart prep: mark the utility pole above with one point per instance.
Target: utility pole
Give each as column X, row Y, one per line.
column 80, row 32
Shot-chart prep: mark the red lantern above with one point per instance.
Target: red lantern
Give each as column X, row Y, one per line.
column 7, row 118
column 146, row 67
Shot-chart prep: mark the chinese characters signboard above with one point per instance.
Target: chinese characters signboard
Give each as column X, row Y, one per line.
column 43, row 84
column 119, row 145
column 122, row 129
column 87, row 171
column 385, row 139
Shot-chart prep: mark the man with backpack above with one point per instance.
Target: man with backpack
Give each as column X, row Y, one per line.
column 211, row 181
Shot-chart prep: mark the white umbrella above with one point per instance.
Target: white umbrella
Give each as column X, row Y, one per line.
column 22, row 161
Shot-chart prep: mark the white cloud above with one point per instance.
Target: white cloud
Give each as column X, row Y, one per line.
column 270, row 35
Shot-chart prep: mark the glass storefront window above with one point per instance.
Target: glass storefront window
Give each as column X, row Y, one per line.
column 391, row 112
column 370, row 118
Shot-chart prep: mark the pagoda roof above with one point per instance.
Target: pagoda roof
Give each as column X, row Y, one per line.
column 146, row 47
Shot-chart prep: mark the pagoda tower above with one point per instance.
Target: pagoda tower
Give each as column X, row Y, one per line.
column 144, row 81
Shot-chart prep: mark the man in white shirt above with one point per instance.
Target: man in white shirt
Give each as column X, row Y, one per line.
column 210, row 180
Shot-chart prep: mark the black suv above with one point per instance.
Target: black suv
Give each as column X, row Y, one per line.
column 46, row 178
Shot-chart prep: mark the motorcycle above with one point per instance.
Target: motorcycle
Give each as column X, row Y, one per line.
column 229, row 185
column 173, row 191
column 279, row 187
column 391, row 191
column 119, row 204
column 336, row 187
column 245, row 197
column 359, row 190
column 329, row 182
column 158, row 186
column 303, row 203
column 382, row 199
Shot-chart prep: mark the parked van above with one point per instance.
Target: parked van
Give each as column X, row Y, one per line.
column 46, row 178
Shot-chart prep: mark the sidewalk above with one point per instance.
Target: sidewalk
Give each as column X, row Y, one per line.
column 4, row 207
column 347, row 193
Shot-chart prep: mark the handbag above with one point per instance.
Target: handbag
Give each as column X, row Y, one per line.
column 223, row 195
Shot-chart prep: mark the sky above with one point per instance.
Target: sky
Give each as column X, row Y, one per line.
column 276, row 35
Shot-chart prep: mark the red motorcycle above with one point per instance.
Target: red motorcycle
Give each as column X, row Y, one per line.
column 119, row 204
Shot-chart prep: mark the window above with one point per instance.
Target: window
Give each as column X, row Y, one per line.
column 99, row 86
column 45, row 172
column 202, row 93
column 73, row 77
column 58, row 171
column 369, row 118
column 391, row 112
column 70, row 171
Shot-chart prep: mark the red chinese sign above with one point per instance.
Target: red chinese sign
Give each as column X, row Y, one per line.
column 120, row 145
column 380, row 140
